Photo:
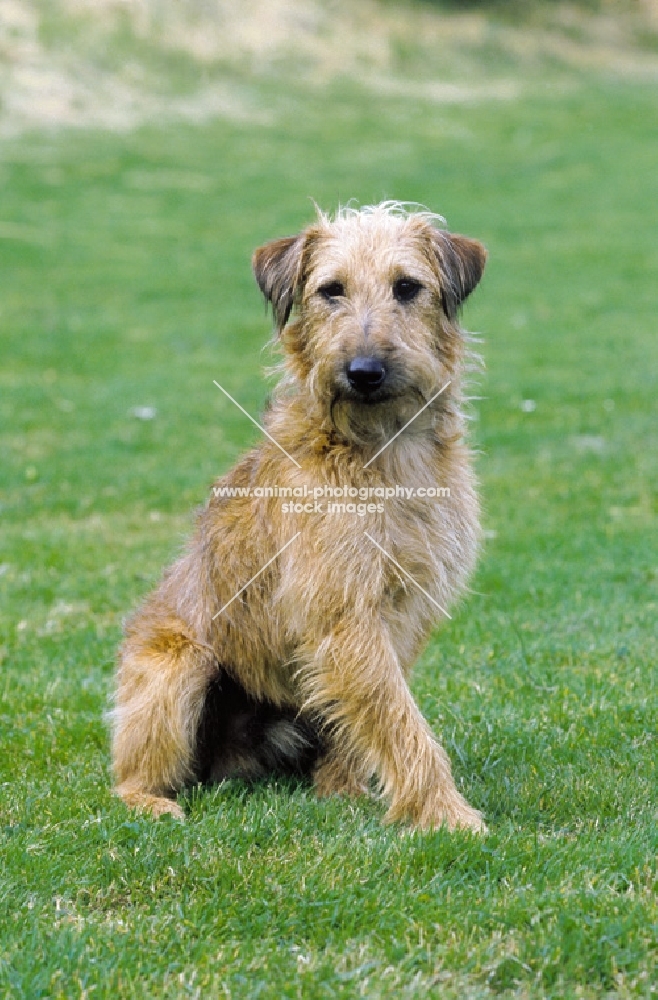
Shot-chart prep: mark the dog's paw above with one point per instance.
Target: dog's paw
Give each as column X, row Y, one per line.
column 465, row 818
column 453, row 813
column 152, row 805
column 165, row 807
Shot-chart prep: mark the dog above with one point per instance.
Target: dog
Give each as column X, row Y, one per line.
column 282, row 640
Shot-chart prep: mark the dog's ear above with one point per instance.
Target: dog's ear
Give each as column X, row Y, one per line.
column 461, row 262
column 277, row 268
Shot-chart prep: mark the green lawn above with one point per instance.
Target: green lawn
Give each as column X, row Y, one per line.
column 125, row 282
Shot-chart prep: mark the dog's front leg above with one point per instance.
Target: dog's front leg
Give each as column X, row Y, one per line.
column 353, row 680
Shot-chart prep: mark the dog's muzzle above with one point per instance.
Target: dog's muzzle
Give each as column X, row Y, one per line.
column 366, row 374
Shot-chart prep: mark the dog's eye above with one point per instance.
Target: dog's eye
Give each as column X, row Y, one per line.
column 406, row 289
column 332, row 290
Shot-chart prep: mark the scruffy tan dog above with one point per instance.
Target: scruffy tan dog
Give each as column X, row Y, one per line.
column 305, row 670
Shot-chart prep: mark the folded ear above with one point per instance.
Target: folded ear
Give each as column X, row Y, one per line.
column 277, row 268
column 461, row 262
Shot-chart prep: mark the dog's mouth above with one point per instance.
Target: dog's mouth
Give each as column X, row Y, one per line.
column 376, row 397
column 366, row 398
column 355, row 400
column 374, row 414
column 372, row 399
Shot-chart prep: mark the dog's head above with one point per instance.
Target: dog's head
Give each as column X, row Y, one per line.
column 366, row 306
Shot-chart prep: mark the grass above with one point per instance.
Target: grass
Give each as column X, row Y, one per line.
column 126, row 283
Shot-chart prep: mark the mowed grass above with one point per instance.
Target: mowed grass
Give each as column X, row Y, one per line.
column 126, row 283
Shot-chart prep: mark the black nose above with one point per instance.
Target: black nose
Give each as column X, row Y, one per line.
column 366, row 374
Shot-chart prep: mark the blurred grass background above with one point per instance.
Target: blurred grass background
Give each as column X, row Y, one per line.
column 146, row 149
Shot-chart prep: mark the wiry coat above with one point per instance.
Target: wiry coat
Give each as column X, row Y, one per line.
column 305, row 671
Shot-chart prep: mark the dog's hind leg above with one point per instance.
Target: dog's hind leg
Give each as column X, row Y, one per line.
column 162, row 683
column 338, row 773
